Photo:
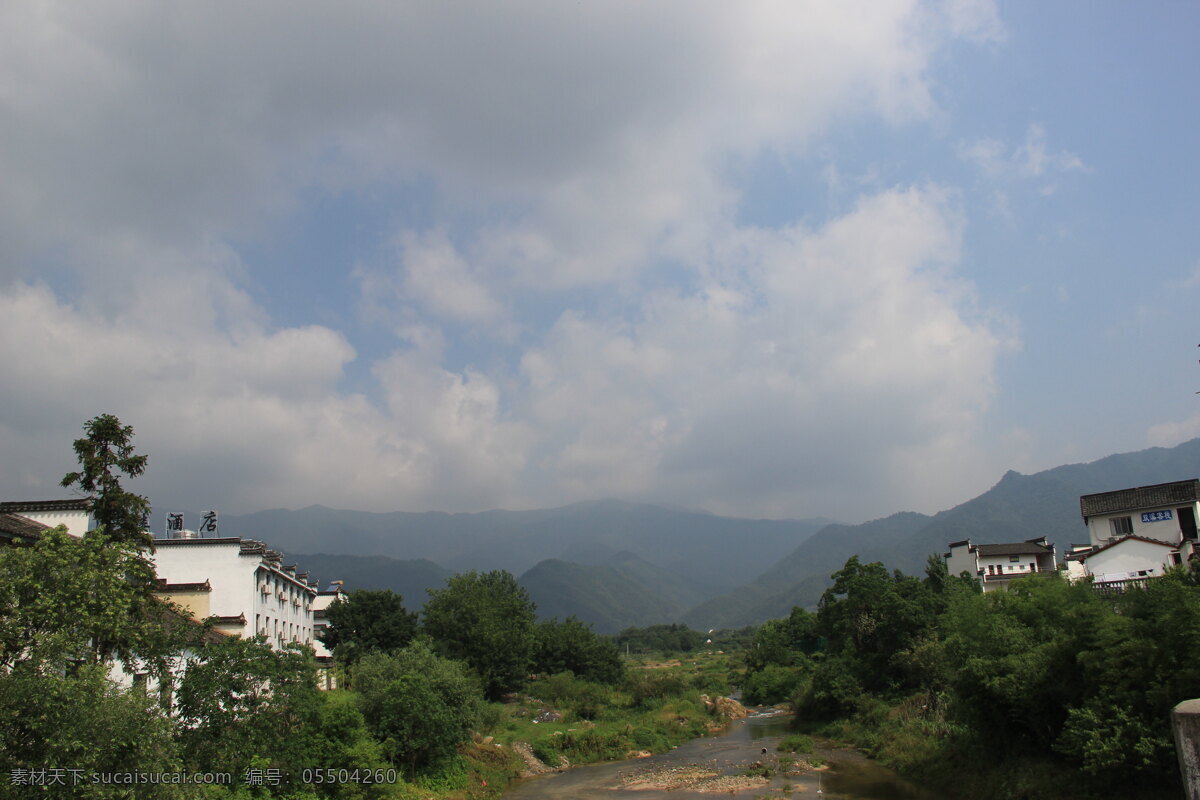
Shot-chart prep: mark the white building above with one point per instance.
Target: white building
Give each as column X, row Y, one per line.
column 1166, row 512
column 996, row 565
column 1136, row 534
column 52, row 513
column 240, row 584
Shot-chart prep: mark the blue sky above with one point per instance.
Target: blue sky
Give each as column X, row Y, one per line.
column 765, row 259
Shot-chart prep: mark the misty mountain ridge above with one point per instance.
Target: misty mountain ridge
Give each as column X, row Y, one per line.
column 615, row 564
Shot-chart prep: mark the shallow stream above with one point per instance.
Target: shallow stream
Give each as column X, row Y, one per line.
column 850, row 776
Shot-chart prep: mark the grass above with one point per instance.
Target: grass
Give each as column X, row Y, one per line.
column 654, row 710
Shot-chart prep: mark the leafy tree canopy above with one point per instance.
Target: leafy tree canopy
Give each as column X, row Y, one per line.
column 65, row 600
column 661, row 638
column 106, row 451
column 242, row 699
column 572, row 646
column 486, row 620
column 419, row 706
column 369, row 621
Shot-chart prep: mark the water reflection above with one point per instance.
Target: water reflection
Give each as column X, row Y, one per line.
column 851, row 776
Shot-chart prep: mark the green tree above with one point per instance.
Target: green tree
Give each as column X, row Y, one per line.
column 242, row 700
column 784, row 642
column 486, row 620
column 67, row 607
column 80, row 721
column 368, row 621
column 870, row 616
column 105, row 451
column 571, row 646
column 1015, row 658
column 419, row 705
column 66, row 600
column 660, row 638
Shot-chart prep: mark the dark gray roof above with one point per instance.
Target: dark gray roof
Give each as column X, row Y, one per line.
column 1157, row 496
column 43, row 505
column 163, row 586
column 1012, row 549
column 1126, row 538
column 14, row 526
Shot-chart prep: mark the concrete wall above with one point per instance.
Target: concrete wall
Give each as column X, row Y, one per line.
column 1130, row 556
column 78, row 522
column 1165, row 530
column 283, row 612
column 1185, row 720
column 961, row 560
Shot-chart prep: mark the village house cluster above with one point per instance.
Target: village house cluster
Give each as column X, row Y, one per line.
column 1134, row 535
column 239, row 586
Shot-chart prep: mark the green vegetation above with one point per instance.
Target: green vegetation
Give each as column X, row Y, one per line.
column 796, row 743
column 660, row 639
column 486, row 620
column 368, row 621
column 106, row 450
column 1026, row 685
column 571, row 646
column 652, row 709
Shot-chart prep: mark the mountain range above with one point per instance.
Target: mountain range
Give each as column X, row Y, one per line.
column 615, row 564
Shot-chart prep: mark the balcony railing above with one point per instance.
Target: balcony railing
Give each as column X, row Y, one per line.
column 1121, row 586
column 1008, row 576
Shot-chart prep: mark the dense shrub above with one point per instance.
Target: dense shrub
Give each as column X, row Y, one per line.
column 418, row 705
column 773, row 684
column 571, row 646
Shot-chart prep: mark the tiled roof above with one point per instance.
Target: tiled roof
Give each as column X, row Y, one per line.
column 43, row 505
column 1012, row 549
column 1156, row 496
column 1126, row 538
column 14, row 526
column 240, row 619
column 163, row 586
column 196, row 541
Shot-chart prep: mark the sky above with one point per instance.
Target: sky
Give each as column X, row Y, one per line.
column 766, row 259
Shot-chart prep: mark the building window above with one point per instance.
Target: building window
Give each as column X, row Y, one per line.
column 1121, row 526
column 1014, row 559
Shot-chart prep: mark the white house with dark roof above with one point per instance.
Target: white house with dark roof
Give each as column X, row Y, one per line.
column 1165, row 511
column 52, row 513
column 996, row 565
column 16, row 529
column 241, row 584
column 1137, row 534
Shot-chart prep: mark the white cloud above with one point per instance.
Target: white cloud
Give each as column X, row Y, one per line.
column 568, row 151
column 438, row 277
column 761, row 394
column 1029, row 161
column 977, row 20
column 251, row 420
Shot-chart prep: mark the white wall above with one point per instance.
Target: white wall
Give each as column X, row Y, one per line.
column 77, row 522
column 1130, row 555
column 1100, row 527
column 961, row 560
column 237, row 582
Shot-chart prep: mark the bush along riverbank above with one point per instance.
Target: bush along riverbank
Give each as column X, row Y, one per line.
column 560, row 721
column 1045, row 691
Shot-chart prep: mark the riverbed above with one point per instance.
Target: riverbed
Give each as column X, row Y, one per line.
column 708, row 768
